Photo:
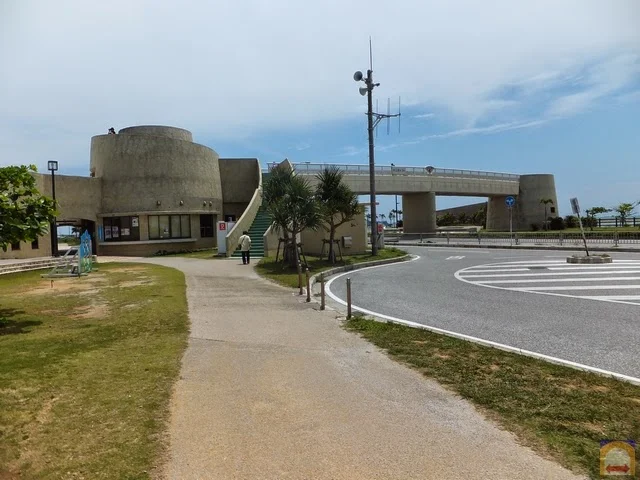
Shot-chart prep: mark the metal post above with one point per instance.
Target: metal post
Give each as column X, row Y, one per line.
column 420, row 238
column 372, row 168
column 397, row 221
column 447, row 237
column 300, row 277
column 510, row 227
column 322, row 292
column 54, row 228
column 348, row 298
column 584, row 238
column 308, row 286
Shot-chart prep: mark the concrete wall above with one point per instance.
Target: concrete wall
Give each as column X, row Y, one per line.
column 158, row 131
column 466, row 209
column 419, row 212
column 528, row 209
column 26, row 251
column 77, row 197
column 356, row 229
column 140, row 170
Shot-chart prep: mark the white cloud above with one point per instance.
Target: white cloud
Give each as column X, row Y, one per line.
column 425, row 115
column 234, row 69
column 488, row 130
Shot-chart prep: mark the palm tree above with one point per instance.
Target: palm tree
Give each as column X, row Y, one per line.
column 290, row 201
column 545, row 202
column 392, row 217
column 338, row 204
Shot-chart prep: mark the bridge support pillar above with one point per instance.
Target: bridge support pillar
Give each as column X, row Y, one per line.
column 498, row 214
column 419, row 212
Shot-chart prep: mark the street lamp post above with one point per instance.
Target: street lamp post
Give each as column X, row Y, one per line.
column 52, row 166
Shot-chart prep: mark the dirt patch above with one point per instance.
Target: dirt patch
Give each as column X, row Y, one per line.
column 443, row 356
column 637, row 400
column 45, row 411
column 7, row 475
column 60, row 285
column 126, row 269
column 600, row 388
column 135, row 283
column 98, row 310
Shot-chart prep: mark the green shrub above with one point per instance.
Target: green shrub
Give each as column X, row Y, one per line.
column 571, row 221
column 556, row 223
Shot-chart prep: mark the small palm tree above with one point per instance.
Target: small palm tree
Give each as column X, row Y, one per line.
column 546, row 202
column 337, row 202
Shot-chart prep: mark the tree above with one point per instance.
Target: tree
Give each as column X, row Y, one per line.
column 546, row 202
column 592, row 212
column 625, row 210
column 25, row 213
column 338, row 204
column 291, row 202
column 392, row 217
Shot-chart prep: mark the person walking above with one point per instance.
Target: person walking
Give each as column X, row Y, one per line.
column 244, row 244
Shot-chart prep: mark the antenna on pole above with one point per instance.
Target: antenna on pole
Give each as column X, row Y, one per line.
column 399, row 114
column 370, row 56
column 376, row 111
column 388, row 113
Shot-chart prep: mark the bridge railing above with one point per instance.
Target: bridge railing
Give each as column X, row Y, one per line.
column 314, row 168
column 532, row 238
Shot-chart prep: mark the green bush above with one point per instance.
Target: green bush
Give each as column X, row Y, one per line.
column 535, row 227
column 571, row 221
column 556, row 223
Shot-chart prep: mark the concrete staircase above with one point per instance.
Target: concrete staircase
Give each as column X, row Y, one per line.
column 259, row 226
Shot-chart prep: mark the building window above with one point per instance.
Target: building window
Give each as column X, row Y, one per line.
column 35, row 245
column 553, row 209
column 169, row 226
column 15, row 246
column 121, row 229
column 206, row 226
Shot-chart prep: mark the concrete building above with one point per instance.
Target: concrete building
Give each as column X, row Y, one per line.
column 150, row 189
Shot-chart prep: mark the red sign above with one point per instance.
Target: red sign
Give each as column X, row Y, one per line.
column 380, row 228
column 223, row 226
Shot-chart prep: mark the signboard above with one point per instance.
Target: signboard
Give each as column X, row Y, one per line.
column 134, row 221
column 380, row 228
column 617, row 458
column 510, row 201
column 575, row 206
column 222, row 226
column 399, row 171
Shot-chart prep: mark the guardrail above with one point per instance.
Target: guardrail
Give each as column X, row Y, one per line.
column 315, row 168
column 561, row 239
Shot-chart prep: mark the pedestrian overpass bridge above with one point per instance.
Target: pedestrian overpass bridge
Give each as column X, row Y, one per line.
column 419, row 187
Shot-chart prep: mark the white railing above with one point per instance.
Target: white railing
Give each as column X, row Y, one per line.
column 314, row 168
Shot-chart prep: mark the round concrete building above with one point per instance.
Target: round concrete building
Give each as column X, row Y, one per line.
column 161, row 191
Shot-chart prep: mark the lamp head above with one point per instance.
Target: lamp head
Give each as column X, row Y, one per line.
column 52, row 165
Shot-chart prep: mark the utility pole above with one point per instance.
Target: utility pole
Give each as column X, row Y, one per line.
column 372, row 167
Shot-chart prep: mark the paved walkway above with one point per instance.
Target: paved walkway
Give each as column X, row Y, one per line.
column 271, row 388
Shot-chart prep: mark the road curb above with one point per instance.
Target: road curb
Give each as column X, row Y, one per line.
column 521, row 247
column 356, row 266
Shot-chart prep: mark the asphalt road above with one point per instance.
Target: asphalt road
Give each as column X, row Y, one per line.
column 540, row 304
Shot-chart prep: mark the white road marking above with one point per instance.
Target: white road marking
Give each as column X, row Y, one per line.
column 545, row 274
column 551, row 280
column 556, row 276
column 489, row 343
column 458, row 257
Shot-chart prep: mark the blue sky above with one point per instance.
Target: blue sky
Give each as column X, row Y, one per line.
column 526, row 87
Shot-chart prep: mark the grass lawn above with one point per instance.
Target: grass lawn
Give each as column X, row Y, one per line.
column 560, row 412
column 287, row 276
column 86, row 371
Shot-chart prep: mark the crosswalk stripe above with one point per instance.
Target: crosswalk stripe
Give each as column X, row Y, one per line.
column 578, row 287
column 552, row 280
column 557, row 277
column 550, row 274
